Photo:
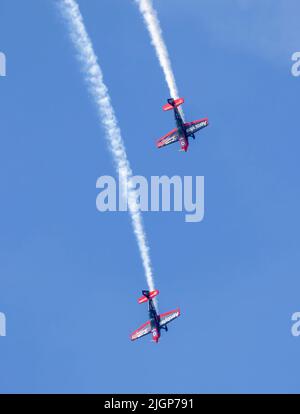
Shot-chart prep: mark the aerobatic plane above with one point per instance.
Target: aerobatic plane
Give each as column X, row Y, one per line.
column 183, row 130
column 156, row 322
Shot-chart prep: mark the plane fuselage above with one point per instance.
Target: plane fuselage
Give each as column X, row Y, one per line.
column 154, row 321
column 184, row 141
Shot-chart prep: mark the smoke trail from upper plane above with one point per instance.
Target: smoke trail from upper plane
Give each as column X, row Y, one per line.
column 152, row 23
column 94, row 79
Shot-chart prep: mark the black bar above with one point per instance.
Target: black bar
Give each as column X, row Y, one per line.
column 149, row 402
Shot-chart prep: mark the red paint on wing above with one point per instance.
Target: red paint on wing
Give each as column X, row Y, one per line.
column 168, row 313
column 139, row 329
column 160, row 141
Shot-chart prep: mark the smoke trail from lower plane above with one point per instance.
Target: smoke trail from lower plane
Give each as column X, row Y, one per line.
column 98, row 90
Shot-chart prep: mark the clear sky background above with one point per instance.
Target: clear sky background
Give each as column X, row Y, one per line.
column 70, row 276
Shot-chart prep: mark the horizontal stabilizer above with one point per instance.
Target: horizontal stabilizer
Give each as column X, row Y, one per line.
column 143, row 299
column 153, row 293
column 174, row 104
column 148, row 295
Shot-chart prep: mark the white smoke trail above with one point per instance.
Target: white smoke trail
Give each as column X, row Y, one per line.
column 99, row 91
column 153, row 25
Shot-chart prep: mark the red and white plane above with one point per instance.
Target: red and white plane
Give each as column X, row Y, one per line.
column 183, row 130
column 156, row 322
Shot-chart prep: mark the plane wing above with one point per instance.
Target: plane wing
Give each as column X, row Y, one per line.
column 167, row 317
column 169, row 138
column 142, row 331
column 194, row 126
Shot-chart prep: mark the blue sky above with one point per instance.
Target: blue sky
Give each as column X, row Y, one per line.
column 70, row 276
